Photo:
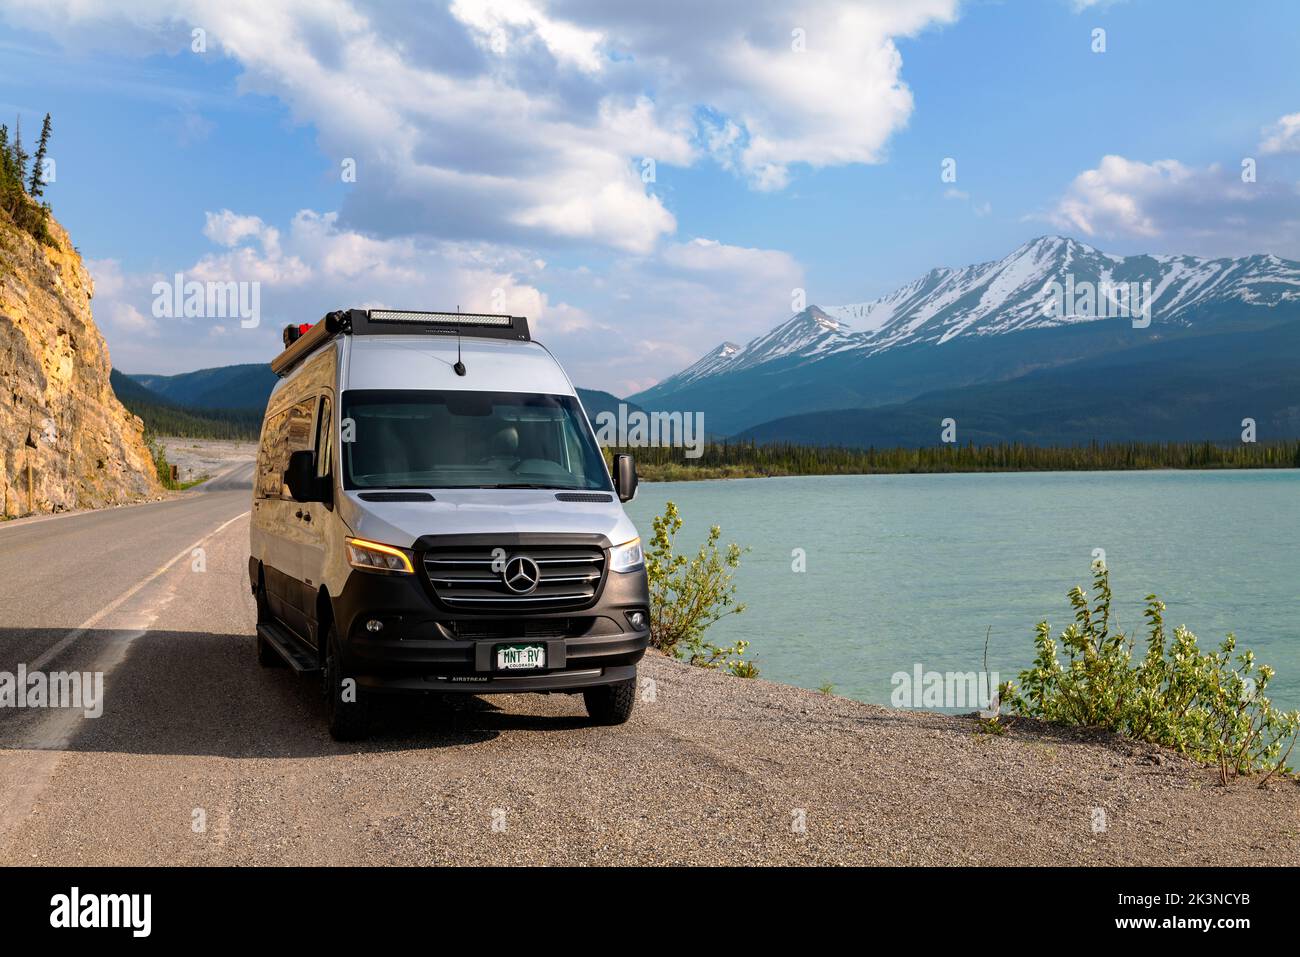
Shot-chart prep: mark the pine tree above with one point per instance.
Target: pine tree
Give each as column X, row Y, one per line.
column 6, row 162
column 37, row 185
column 20, row 156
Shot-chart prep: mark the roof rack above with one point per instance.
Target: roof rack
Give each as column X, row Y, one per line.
column 301, row 341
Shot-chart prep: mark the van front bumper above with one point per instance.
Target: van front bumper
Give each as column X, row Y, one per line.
column 422, row 646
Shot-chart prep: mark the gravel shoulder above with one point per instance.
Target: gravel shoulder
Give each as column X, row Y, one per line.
column 710, row 770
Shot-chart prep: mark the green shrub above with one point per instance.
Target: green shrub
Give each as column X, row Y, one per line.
column 687, row 595
column 164, row 468
column 1209, row 705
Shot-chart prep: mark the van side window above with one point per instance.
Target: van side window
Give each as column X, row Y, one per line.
column 271, row 458
column 325, row 440
column 296, row 435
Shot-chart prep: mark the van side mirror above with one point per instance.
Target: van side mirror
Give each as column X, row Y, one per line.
column 301, row 478
column 625, row 477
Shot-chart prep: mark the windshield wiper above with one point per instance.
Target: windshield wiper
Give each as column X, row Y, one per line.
column 528, row 485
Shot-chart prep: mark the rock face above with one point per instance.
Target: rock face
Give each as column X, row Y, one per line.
column 58, row 413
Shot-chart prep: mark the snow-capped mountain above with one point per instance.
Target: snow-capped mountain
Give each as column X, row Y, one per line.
column 1045, row 283
column 703, row 367
column 807, row 333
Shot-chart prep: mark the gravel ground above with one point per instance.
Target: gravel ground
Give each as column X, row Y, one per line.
column 203, row 757
column 196, row 457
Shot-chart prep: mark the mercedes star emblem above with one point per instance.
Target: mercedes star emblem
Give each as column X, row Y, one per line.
column 521, row 574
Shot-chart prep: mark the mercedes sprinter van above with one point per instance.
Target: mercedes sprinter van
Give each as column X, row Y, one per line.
column 431, row 512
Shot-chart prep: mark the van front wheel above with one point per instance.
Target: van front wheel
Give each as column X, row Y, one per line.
column 347, row 705
column 611, row 704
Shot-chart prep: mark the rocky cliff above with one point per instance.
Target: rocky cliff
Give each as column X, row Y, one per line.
column 58, row 414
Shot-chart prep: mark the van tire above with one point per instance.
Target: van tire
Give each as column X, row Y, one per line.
column 267, row 656
column 348, row 720
column 611, row 704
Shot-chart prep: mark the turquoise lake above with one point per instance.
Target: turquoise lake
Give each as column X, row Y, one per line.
column 914, row 569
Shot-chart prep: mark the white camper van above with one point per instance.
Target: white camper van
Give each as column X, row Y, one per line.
column 431, row 512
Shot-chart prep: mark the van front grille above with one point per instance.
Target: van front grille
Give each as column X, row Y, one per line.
column 475, row 579
column 499, row 629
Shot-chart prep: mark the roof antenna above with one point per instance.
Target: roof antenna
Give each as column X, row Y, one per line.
column 459, row 366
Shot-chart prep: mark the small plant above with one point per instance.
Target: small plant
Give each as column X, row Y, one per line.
column 164, row 469
column 687, row 595
column 989, row 726
column 827, row 688
column 1209, row 705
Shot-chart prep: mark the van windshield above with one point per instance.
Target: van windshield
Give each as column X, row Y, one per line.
column 452, row 439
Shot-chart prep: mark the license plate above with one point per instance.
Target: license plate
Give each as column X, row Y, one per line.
column 521, row 657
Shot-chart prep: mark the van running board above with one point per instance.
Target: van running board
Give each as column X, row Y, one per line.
column 295, row 655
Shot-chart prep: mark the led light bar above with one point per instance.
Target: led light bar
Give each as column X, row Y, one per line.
column 301, row 340
column 440, row 318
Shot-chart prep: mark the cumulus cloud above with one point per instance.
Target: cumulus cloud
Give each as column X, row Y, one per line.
column 671, row 308
column 1206, row 210
column 488, row 136
column 1282, row 136
column 228, row 229
column 314, row 266
column 819, row 83
column 525, row 120
column 659, row 311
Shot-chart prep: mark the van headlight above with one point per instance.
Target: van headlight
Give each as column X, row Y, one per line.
column 374, row 557
column 627, row 557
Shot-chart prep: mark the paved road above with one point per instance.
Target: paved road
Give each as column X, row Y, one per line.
column 200, row 756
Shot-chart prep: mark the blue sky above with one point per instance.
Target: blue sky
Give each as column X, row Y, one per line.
column 500, row 143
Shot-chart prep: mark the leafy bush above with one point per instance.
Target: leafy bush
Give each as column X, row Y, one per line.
column 164, row 468
column 687, row 595
column 161, row 466
column 1209, row 705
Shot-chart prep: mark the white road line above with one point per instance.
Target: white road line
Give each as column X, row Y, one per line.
column 27, row 767
column 51, row 652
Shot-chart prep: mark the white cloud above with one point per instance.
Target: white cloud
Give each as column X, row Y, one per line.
column 671, row 308
column 229, row 229
column 1117, row 196
column 492, row 134
column 524, row 120
column 643, row 317
column 1282, row 136
column 114, row 314
column 1205, row 210
column 496, row 20
column 979, row 209
column 313, row 267
column 711, row 256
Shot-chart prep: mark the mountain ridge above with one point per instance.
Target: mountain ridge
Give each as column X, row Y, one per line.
column 984, row 322
column 938, row 306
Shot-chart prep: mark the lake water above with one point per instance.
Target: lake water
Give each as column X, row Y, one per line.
column 913, row 569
